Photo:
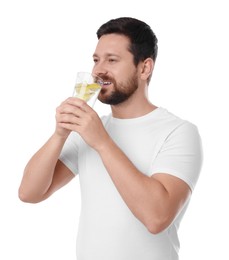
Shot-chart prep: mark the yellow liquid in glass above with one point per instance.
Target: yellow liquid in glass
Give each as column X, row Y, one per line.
column 86, row 91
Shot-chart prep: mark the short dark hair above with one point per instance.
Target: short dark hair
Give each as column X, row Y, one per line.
column 143, row 41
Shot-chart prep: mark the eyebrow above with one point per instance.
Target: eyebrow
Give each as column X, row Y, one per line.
column 107, row 55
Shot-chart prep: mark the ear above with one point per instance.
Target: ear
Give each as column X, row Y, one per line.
column 147, row 67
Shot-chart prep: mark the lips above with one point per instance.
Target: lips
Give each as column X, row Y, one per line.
column 106, row 81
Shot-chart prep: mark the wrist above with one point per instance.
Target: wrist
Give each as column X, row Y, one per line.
column 106, row 146
column 59, row 137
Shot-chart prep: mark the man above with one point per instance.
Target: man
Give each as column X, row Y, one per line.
column 137, row 167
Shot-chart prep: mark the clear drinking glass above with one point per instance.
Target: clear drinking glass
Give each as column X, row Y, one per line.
column 87, row 87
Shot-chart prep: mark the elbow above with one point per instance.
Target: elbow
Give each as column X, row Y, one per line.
column 155, row 229
column 156, row 226
column 27, row 197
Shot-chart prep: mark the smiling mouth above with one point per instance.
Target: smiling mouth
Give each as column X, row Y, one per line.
column 106, row 83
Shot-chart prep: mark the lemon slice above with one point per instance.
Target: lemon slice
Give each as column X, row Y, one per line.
column 86, row 91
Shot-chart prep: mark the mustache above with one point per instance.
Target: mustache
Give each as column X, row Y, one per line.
column 107, row 78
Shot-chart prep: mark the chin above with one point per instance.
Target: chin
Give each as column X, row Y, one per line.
column 103, row 96
column 104, row 100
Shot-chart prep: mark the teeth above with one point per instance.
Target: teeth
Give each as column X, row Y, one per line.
column 106, row 83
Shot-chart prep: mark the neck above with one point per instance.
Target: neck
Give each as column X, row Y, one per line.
column 134, row 107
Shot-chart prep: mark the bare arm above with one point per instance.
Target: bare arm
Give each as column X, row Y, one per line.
column 155, row 200
column 44, row 173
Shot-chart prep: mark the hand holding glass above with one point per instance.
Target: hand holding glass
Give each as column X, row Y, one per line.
column 87, row 87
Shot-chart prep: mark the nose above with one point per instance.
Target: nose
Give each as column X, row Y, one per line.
column 99, row 69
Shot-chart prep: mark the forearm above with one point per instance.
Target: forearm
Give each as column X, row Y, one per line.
column 39, row 171
column 146, row 197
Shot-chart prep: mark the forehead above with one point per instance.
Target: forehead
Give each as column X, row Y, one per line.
column 112, row 44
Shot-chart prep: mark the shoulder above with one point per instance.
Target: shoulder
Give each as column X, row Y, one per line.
column 168, row 125
column 176, row 123
column 180, row 136
column 180, row 153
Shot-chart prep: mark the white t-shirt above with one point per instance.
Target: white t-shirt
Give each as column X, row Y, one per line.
column 158, row 142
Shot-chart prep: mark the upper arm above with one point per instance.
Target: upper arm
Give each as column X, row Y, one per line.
column 178, row 192
column 173, row 195
column 181, row 155
column 62, row 176
column 176, row 170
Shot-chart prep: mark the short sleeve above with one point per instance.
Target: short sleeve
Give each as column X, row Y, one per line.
column 69, row 153
column 181, row 154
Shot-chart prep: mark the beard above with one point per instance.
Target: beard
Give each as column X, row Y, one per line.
column 121, row 92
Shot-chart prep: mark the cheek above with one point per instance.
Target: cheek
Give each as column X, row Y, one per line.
column 120, row 77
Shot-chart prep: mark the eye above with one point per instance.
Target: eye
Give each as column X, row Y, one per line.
column 95, row 60
column 112, row 60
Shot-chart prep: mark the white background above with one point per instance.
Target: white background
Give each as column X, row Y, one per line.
column 42, row 46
